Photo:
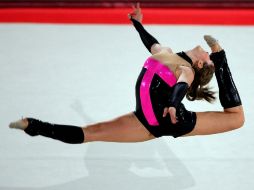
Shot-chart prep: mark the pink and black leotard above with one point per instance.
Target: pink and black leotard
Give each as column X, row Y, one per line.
column 154, row 87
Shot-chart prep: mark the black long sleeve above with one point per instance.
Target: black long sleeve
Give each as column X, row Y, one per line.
column 179, row 91
column 147, row 39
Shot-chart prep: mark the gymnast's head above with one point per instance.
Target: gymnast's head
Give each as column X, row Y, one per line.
column 204, row 70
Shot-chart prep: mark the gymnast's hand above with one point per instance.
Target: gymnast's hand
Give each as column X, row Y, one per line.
column 136, row 13
column 172, row 114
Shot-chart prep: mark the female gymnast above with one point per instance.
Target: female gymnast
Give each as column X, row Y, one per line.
column 165, row 79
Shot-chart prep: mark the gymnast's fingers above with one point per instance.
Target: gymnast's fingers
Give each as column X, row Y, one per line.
column 165, row 112
column 172, row 113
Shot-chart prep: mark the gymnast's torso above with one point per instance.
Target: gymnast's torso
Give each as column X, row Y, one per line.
column 171, row 60
column 153, row 90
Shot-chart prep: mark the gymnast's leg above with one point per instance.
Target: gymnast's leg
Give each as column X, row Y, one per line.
column 126, row 128
column 233, row 116
column 65, row 133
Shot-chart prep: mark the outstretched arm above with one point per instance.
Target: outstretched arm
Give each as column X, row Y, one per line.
column 148, row 40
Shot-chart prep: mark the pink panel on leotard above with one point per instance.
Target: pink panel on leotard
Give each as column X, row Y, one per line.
column 162, row 70
column 153, row 67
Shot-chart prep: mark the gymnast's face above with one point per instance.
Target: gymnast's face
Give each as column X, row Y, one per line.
column 203, row 57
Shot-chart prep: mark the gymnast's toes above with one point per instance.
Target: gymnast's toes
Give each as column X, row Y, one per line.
column 20, row 124
column 212, row 43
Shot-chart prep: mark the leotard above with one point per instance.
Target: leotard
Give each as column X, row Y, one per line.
column 153, row 90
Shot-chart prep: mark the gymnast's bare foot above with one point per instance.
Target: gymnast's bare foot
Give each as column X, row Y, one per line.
column 213, row 43
column 20, row 124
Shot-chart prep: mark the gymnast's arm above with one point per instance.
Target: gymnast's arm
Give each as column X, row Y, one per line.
column 148, row 40
column 186, row 77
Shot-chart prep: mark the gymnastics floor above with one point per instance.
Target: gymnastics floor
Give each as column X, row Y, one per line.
column 79, row 74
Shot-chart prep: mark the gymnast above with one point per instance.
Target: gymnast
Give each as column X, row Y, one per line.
column 165, row 79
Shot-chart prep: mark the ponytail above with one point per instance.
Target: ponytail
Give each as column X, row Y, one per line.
column 198, row 89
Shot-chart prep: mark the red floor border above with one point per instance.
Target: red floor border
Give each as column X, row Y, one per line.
column 119, row 16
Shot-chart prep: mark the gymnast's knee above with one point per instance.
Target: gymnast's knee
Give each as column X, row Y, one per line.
column 240, row 119
column 238, row 116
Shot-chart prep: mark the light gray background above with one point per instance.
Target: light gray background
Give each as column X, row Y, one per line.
column 80, row 74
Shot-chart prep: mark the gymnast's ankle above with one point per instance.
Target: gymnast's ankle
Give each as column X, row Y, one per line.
column 219, row 59
column 29, row 125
